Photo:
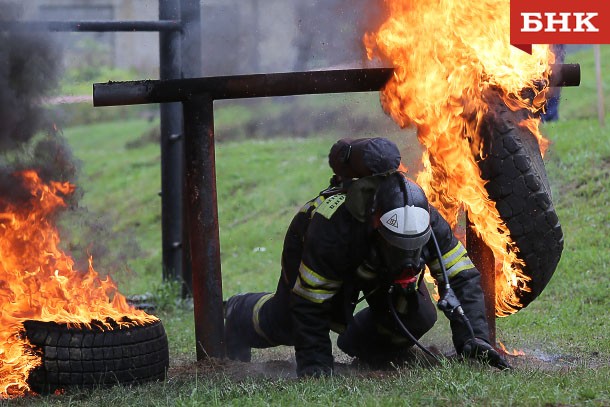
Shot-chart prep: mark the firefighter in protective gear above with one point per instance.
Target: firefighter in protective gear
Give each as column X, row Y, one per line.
column 361, row 235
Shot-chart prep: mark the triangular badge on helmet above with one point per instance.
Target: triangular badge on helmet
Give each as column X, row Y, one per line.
column 393, row 221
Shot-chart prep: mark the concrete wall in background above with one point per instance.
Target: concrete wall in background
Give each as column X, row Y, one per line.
column 127, row 50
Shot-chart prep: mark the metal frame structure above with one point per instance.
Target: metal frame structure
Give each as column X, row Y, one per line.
column 197, row 96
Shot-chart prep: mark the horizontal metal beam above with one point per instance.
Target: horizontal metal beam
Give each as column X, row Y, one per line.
column 240, row 86
column 564, row 75
column 267, row 85
column 92, row 26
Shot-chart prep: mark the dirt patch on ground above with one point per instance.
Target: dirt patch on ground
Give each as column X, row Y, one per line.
column 279, row 363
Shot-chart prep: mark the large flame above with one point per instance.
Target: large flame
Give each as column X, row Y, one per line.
column 446, row 54
column 38, row 281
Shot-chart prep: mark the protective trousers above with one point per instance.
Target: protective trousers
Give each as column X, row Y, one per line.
column 261, row 320
column 373, row 335
column 257, row 320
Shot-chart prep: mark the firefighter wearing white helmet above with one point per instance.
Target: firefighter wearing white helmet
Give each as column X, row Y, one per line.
column 368, row 236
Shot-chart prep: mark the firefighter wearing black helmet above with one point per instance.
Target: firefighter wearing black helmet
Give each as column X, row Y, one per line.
column 370, row 234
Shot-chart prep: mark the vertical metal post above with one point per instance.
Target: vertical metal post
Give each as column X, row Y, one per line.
column 202, row 214
column 171, row 149
column 483, row 259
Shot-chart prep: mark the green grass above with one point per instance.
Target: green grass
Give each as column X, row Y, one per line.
column 564, row 332
column 451, row 384
column 262, row 183
column 120, row 189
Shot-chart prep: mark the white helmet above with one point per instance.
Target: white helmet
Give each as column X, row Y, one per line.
column 402, row 219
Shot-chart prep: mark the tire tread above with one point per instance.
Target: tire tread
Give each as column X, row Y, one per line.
column 91, row 357
column 517, row 182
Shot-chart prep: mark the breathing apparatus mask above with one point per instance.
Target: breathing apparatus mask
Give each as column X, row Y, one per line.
column 401, row 220
column 401, row 250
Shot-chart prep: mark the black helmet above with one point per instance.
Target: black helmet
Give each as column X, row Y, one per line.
column 401, row 218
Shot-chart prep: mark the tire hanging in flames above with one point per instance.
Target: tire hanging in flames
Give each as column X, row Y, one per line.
column 517, row 183
column 462, row 85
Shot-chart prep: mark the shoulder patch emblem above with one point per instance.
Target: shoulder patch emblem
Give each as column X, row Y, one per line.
column 330, row 205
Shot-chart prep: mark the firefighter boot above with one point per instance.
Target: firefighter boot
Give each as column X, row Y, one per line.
column 240, row 333
column 236, row 346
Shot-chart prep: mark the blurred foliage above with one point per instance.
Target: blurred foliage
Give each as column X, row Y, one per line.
column 89, row 67
column 91, row 62
column 77, row 114
column 580, row 102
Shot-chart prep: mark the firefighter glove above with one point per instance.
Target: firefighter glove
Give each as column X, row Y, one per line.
column 483, row 352
column 450, row 305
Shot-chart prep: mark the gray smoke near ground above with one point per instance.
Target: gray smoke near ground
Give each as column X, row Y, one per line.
column 30, row 69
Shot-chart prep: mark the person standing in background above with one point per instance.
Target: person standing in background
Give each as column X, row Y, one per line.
column 551, row 112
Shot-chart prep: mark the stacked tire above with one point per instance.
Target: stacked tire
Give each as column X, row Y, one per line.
column 96, row 357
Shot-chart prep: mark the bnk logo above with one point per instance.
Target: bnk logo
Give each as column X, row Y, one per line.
column 559, row 22
column 564, row 22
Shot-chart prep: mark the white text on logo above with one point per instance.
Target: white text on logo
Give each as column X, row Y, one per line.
column 562, row 22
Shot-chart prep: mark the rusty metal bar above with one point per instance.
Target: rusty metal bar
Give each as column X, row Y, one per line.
column 202, row 213
column 92, row 26
column 483, row 259
column 190, row 49
column 267, row 85
column 241, row 86
column 564, row 75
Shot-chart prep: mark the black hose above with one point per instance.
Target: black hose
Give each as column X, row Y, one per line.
column 459, row 309
column 466, row 322
column 440, row 261
column 404, row 329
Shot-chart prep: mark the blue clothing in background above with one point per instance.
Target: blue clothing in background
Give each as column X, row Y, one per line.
column 552, row 105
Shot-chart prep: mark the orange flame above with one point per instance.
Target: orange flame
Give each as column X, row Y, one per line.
column 514, row 352
column 38, row 282
column 446, row 54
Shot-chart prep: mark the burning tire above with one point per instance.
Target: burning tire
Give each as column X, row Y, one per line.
column 96, row 356
column 518, row 184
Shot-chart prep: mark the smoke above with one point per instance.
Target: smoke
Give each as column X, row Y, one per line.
column 288, row 35
column 30, row 68
column 329, row 32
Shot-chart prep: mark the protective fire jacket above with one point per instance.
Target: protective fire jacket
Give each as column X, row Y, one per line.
column 324, row 247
